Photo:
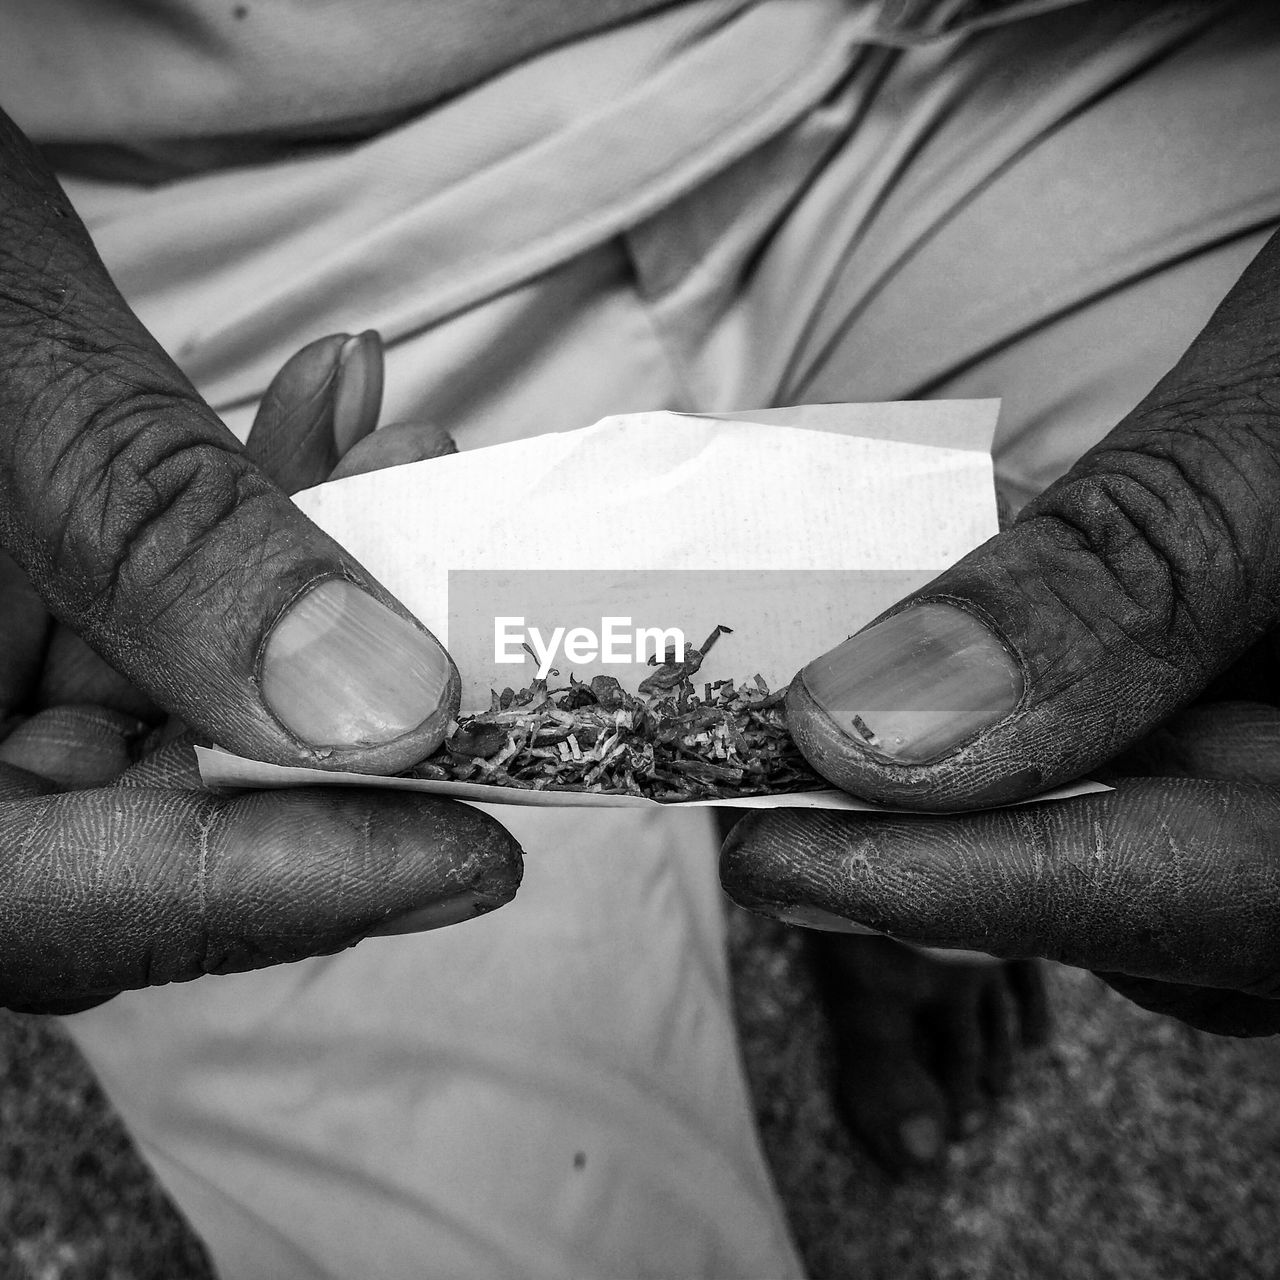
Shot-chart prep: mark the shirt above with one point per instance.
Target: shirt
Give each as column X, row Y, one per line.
column 147, row 71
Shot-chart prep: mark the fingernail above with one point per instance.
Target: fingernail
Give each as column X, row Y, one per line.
column 357, row 396
column 806, row 917
column 921, row 1137
column 435, row 915
column 341, row 670
column 918, row 684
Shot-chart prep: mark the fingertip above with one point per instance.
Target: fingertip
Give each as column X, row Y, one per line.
column 75, row 746
column 745, row 863
column 393, row 446
column 496, row 887
column 783, row 863
column 324, row 399
column 494, row 869
column 906, row 876
column 395, row 856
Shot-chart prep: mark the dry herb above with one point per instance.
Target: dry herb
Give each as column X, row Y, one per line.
column 670, row 742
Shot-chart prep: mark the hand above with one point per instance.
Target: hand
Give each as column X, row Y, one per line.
column 138, row 521
column 1101, row 630
column 143, row 524
column 923, row 1047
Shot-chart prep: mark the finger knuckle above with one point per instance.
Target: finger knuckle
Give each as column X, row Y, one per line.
column 1174, row 549
column 144, row 515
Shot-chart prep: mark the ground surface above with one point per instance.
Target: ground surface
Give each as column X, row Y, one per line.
column 1130, row 1148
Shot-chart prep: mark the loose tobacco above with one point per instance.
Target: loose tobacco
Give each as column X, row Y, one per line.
column 669, row 742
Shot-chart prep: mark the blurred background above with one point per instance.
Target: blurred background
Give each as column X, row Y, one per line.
column 1130, row 1147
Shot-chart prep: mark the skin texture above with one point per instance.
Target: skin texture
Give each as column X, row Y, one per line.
column 134, row 512
column 134, row 517
column 1140, row 597
column 146, row 558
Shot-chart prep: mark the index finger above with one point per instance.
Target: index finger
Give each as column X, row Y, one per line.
column 1175, row 879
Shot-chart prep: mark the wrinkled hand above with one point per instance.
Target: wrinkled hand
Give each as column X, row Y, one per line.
column 134, row 520
column 1126, row 622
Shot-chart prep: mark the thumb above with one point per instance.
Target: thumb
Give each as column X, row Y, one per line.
column 146, row 527
column 1116, row 597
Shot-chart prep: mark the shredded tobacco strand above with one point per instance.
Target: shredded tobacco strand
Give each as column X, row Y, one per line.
column 669, row 743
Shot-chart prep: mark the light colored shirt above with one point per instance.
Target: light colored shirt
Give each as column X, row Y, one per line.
column 134, row 71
